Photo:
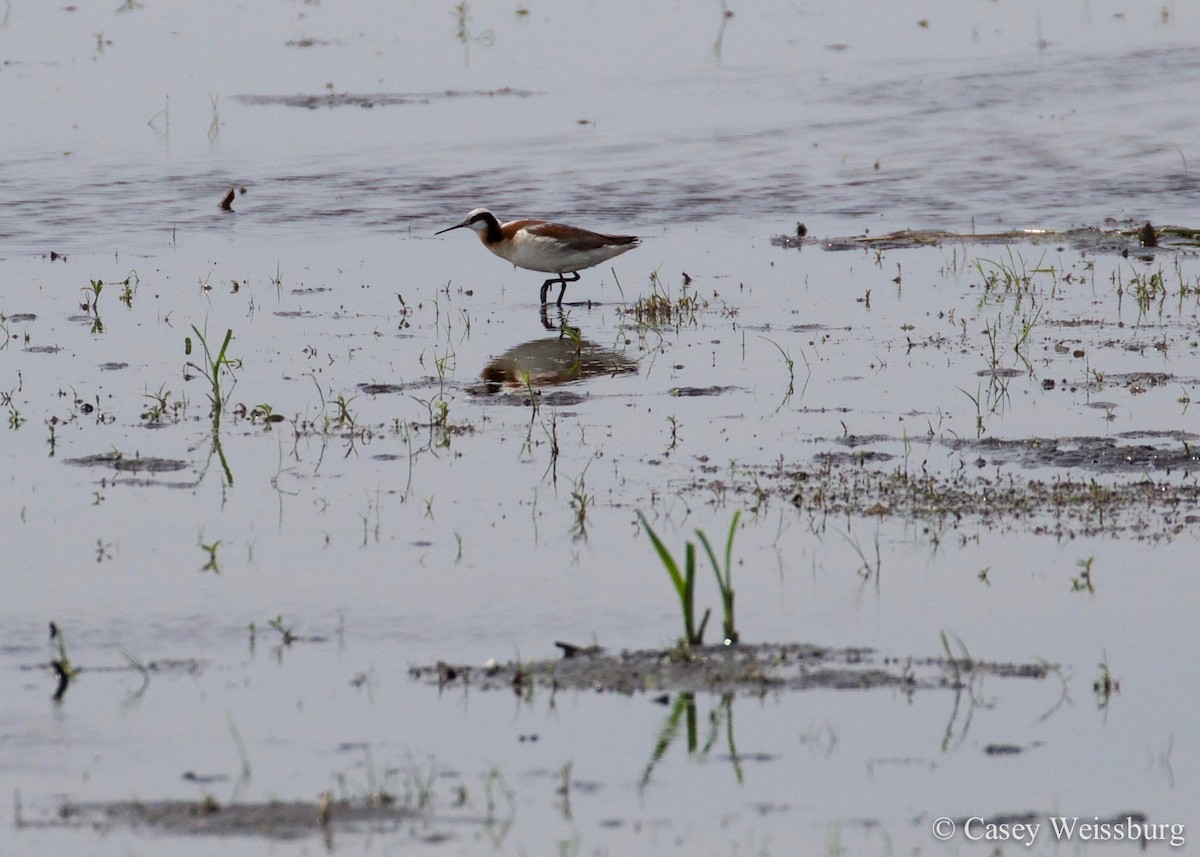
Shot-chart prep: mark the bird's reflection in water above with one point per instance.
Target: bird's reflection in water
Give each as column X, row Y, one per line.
column 558, row 360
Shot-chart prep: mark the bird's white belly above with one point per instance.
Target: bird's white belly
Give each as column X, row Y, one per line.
column 538, row 253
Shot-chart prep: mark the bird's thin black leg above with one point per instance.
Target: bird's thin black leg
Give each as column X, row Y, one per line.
column 546, row 288
column 562, row 279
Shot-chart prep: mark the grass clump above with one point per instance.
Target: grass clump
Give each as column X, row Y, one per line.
column 214, row 369
column 684, row 581
column 660, row 309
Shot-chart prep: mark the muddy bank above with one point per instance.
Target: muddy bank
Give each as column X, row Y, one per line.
column 720, row 669
column 272, row 820
column 1112, row 237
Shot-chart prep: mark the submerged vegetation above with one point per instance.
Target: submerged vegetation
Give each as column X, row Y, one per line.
column 838, row 486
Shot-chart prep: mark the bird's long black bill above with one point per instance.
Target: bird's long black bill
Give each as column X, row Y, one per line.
column 450, row 228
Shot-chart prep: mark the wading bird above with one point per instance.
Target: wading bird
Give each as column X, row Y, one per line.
column 538, row 245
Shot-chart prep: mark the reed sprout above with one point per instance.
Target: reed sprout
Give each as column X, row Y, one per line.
column 684, row 581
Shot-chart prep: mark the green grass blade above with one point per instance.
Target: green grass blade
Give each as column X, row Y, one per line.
column 712, row 557
column 684, row 583
column 224, row 347
column 725, row 577
column 689, row 609
column 729, row 546
column 664, row 555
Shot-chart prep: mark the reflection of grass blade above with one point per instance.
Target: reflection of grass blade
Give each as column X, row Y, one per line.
column 724, row 712
column 684, row 703
column 684, row 711
column 727, row 704
column 791, row 367
column 63, row 668
column 241, row 748
column 142, row 670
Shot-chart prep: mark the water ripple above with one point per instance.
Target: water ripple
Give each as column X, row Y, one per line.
column 1044, row 143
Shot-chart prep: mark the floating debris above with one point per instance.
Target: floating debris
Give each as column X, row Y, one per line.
column 376, row 99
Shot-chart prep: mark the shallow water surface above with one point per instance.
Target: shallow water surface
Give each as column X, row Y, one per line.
column 951, row 454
